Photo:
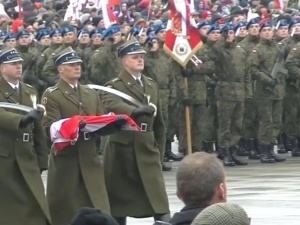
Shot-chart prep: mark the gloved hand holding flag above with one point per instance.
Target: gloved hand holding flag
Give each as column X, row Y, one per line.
column 66, row 131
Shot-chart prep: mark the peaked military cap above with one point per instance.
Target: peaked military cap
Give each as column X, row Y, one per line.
column 22, row 33
column 110, row 31
column 227, row 27
column 213, row 28
column 251, row 22
column 42, row 33
column 95, row 31
column 9, row 55
column 202, row 24
column 267, row 23
column 131, row 47
column 9, row 36
column 160, row 27
column 67, row 29
column 281, row 23
column 67, row 56
column 55, row 31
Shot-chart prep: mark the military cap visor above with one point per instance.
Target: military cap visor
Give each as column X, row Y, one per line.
column 67, row 58
column 132, row 48
column 9, row 55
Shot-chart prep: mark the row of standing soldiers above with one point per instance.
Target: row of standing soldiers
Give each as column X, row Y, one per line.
column 239, row 105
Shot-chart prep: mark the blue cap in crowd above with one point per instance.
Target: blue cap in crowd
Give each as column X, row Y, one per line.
column 3, row 33
column 266, row 24
column 9, row 36
column 202, row 24
column 251, row 22
column 67, row 56
column 131, row 47
column 150, row 30
column 213, row 28
column 150, row 39
column 135, row 31
column 9, row 55
column 282, row 23
column 294, row 21
column 67, row 29
column 227, row 27
column 160, row 27
column 42, row 33
column 54, row 32
column 81, row 32
column 110, row 31
column 95, row 31
column 22, row 33
column 239, row 25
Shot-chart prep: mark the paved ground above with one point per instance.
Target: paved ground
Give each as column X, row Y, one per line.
column 269, row 193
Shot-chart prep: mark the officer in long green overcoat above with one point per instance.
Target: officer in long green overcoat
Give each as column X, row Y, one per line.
column 75, row 177
column 132, row 160
column 23, row 150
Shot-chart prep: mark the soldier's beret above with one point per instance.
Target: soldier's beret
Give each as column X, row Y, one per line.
column 294, row 21
column 222, row 213
column 150, row 38
column 239, row 25
column 42, row 33
column 91, row 216
column 67, row 29
column 3, row 33
column 251, row 22
column 95, row 31
column 130, row 47
column 202, row 24
column 134, row 31
column 67, row 56
column 9, row 55
column 227, row 27
column 22, row 33
column 281, row 23
column 150, row 30
column 81, row 32
column 54, row 32
column 160, row 27
column 265, row 24
column 213, row 28
column 9, row 36
column 110, row 31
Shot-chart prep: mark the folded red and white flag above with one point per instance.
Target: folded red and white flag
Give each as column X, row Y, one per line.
column 66, row 131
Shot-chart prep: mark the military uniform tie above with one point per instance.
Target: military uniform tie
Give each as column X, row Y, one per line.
column 16, row 89
column 139, row 82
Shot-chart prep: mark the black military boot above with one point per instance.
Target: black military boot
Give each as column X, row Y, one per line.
column 250, row 147
column 235, row 158
column 225, row 156
column 280, row 144
column 209, row 147
column 241, row 151
column 275, row 156
column 169, row 155
column 265, row 156
column 294, row 145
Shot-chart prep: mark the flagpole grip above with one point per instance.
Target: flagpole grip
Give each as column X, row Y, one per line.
column 188, row 123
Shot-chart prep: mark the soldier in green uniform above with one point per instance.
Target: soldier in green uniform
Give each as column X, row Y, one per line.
column 133, row 159
column 291, row 100
column 208, row 68
column 23, row 150
column 83, row 39
column 75, row 177
column 69, row 40
column 104, row 64
column 158, row 68
column 10, row 40
column 250, row 125
column 203, row 27
column 240, row 31
column 233, row 87
column 269, row 92
column 56, row 40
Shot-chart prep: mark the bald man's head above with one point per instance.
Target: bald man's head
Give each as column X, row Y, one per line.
column 201, row 179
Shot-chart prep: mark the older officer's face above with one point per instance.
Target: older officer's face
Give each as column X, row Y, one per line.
column 134, row 62
column 70, row 71
column 11, row 71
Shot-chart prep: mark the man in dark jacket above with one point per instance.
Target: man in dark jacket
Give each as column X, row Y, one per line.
column 200, row 183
